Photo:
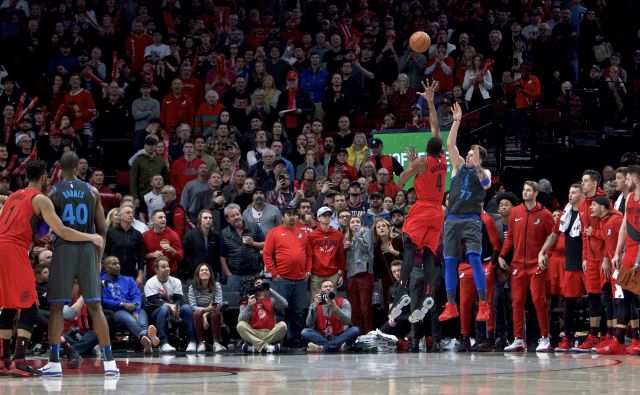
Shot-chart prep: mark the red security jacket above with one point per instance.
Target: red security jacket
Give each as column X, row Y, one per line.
column 175, row 110
column 526, row 234
column 592, row 247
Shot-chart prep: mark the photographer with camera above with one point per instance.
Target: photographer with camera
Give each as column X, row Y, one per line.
column 330, row 318
column 257, row 319
column 165, row 303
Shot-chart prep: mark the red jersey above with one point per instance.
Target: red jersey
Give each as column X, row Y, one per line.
column 18, row 222
column 607, row 231
column 329, row 326
column 430, row 185
column 632, row 243
column 592, row 247
column 80, row 102
column 527, row 232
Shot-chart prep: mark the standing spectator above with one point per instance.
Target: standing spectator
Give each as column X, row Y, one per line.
column 287, row 257
column 211, row 198
column 191, row 86
column 121, row 295
column 477, row 83
column 165, row 300
column 208, row 112
column 193, row 187
column 205, row 298
column 201, row 245
column 240, row 245
column 327, row 253
column 413, row 65
column 336, row 103
column 136, row 44
column 184, row 169
column 440, row 68
column 358, row 245
column 175, row 213
column 314, row 81
column 565, row 33
column 262, row 214
column 144, row 167
column 161, row 241
column 381, row 160
column 294, row 105
column 108, row 198
column 388, row 247
column 236, row 102
column 176, row 107
column 81, row 107
column 126, row 244
column 143, row 109
column 152, row 200
column 402, row 100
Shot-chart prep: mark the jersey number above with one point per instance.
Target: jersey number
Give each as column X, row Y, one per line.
column 465, row 194
column 9, row 215
column 439, row 183
column 80, row 215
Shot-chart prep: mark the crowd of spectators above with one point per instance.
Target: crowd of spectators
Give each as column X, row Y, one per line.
column 222, row 117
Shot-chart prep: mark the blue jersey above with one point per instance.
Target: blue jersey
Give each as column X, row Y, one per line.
column 466, row 195
column 75, row 205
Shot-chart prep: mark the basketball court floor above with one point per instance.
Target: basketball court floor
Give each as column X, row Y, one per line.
column 443, row 373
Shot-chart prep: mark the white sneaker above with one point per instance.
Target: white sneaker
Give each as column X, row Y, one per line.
column 217, row 347
column 269, row 348
column 517, row 346
column 396, row 311
column 201, row 348
column 543, row 345
column 418, row 315
column 191, row 347
column 110, row 368
column 51, row 369
column 167, row 348
column 428, row 303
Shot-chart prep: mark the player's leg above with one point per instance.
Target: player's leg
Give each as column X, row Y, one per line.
column 24, row 326
column 7, row 317
column 452, row 257
column 538, row 287
column 467, row 299
column 519, row 288
column 607, row 302
column 430, row 276
column 616, row 346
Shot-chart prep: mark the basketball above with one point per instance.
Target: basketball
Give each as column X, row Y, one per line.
column 419, row 42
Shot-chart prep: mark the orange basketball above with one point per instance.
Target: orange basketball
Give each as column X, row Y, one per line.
column 419, row 42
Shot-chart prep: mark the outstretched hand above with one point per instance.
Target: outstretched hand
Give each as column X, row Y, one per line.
column 411, row 153
column 456, row 111
column 429, row 90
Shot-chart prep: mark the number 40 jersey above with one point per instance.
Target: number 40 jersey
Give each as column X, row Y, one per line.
column 75, row 205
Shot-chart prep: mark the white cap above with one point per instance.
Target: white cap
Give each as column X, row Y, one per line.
column 324, row 210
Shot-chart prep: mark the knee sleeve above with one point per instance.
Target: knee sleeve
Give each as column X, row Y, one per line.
column 451, row 273
column 6, row 318
column 27, row 318
column 607, row 300
column 595, row 306
column 478, row 271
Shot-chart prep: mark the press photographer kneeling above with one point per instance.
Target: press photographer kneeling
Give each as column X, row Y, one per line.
column 257, row 318
column 330, row 316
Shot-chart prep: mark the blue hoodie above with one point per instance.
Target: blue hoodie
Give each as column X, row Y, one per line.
column 122, row 289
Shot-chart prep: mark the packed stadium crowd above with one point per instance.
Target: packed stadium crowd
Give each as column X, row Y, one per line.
column 229, row 148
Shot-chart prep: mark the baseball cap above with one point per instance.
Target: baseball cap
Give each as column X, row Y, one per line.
column 279, row 162
column 397, row 210
column 375, row 143
column 603, row 201
column 324, row 210
column 292, row 75
column 331, row 192
column 21, row 137
column 376, row 195
column 287, row 209
column 446, row 101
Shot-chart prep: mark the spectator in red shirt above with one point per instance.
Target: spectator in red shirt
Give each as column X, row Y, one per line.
column 343, row 167
column 176, row 107
column 191, row 86
column 136, row 43
column 185, row 168
column 109, row 199
column 159, row 241
column 384, row 184
column 402, row 100
column 440, row 68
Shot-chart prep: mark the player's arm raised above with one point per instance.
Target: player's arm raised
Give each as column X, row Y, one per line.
column 454, row 155
column 43, row 206
column 415, row 164
column 428, row 94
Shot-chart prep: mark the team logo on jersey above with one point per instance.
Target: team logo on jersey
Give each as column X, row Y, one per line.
column 537, row 221
column 608, row 232
column 299, row 236
column 466, row 182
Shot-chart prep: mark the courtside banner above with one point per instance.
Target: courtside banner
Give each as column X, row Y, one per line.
column 397, row 141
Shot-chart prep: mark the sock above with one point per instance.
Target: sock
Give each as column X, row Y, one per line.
column 451, row 277
column 610, row 330
column 107, row 354
column 478, row 274
column 6, row 348
column 21, row 347
column 54, row 352
column 635, row 334
column 593, row 331
column 620, row 332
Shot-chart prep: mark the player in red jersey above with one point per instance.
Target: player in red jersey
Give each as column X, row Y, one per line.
column 423, row 225
column 19, row 219
column 626, row 255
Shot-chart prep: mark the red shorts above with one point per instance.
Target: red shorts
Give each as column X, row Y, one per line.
column 17, row 281
column 572, row 284
column 594, row 278
column 424, row 225
column 555, row 275
column 630, row 254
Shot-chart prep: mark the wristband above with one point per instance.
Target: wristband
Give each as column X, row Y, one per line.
column 485, row 182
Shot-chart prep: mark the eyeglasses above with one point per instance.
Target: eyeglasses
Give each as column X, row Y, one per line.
column 383, row 174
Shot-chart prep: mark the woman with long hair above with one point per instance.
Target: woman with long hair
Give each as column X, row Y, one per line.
column 477, row 83
column 226, row 171
column 205, row 297
column 278, row 133
column 257, row 76
column 308, row 178
column 465, row 63
column 271, row 93
column 387, row 248
column 358, row 245
column 358, row 151
column 368, row 171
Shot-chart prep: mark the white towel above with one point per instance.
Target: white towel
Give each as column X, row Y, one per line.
column 565, row 221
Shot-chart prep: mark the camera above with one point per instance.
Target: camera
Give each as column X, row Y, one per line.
column 281, row 177
column 326, row 296
column 176, row 319
column 249, row 288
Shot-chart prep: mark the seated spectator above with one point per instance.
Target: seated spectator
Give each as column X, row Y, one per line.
column 257, row 319
column 402, row 100
column 399, row 326
column 121, row 295
column 165, row 303
column 328, row 322
column 205, row 298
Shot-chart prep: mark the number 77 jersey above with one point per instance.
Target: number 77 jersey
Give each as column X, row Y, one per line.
column 75, row 205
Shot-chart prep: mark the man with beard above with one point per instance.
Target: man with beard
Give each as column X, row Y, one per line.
column 397, row 219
